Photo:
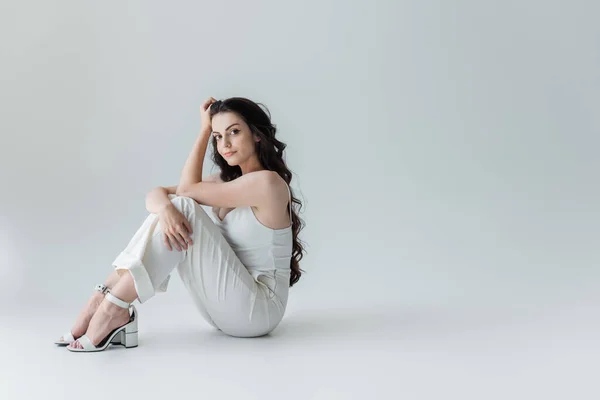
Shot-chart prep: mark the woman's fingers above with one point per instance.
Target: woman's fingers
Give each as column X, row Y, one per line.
column 207, row 103
column 175, row 241
column 189, row 232
column 179, row 237
column 177, row 234
column 166, row 241
column 171, row 241
column 181, row 240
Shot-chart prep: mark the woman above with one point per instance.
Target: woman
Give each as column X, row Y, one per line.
column 237, row 261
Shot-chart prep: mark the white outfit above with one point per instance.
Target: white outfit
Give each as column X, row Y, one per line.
column 237, row 270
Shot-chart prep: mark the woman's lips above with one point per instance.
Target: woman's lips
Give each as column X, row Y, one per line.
column 229, row 154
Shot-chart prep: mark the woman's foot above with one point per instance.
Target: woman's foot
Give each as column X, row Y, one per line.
column 83, row 320
column 108, row 316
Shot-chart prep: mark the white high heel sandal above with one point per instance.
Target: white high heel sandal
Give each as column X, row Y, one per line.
column 68, row 337
column 126, row 335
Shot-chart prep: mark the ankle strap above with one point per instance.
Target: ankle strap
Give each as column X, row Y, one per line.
column 115, row 300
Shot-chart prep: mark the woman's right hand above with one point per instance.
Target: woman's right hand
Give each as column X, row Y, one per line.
column 205, row 114
column 175, row 227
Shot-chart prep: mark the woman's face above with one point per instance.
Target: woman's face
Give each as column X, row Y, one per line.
column 235, row 141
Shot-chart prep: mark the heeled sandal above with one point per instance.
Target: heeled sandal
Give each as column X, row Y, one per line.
column 126, row 335
column 68, row 337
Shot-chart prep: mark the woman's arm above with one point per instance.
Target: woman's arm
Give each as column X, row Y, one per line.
column 158, row 198
column 192, row 170
column 258, row 188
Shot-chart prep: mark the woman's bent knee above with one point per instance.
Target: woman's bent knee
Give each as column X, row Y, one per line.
column 190, row 208
column 185, row 205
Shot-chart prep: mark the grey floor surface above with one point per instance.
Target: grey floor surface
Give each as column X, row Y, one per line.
column 385, row 351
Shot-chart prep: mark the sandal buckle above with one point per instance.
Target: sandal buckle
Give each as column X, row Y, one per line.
column 102, row 288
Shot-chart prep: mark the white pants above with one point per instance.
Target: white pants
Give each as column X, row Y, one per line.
column 233, row 299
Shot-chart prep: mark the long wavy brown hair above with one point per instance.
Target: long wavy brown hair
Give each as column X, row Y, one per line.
column 270, row 154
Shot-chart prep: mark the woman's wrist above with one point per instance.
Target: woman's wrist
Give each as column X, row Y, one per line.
column 164, row 207
column 205, row 130
column 157, row 200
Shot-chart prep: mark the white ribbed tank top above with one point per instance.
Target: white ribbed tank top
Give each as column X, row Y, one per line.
column 256, row 245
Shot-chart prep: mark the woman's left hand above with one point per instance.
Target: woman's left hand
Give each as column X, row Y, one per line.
column 205, row 113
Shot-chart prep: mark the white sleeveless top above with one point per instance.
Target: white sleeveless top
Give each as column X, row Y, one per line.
column 258, row 247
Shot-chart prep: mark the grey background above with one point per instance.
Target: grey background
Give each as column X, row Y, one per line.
column 446, row 152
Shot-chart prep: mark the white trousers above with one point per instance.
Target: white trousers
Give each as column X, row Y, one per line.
column 231, row 298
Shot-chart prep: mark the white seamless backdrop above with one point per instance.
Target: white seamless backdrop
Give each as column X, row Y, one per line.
column 442, row 151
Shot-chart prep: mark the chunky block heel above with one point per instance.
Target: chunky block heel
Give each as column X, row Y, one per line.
column 127, row 339
column 131, row 339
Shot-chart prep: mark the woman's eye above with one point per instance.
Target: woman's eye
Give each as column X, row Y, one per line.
column 233, row 131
